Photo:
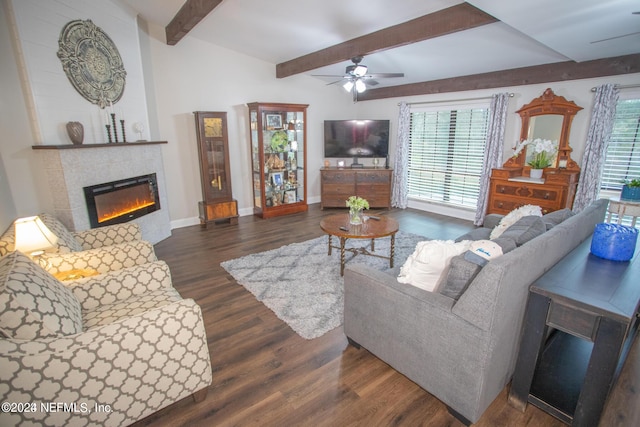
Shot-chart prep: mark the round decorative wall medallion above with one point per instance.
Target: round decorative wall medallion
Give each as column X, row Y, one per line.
column 92, row 62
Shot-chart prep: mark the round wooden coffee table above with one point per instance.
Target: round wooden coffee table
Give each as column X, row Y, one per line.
column 374, row 227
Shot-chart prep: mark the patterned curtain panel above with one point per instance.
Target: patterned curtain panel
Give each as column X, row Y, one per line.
column 493, row 150
column 399, row 193
column 604, row 110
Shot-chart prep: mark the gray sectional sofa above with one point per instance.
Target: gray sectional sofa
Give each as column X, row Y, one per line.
column 462, row 350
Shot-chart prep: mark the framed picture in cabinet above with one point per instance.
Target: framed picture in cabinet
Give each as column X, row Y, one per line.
column 274, row 121
column 290, row 196
column 276, row 179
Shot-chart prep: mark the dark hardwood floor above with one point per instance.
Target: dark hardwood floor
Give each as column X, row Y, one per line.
column 264, row 374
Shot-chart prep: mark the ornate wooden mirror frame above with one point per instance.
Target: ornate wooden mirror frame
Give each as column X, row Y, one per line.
column 558, row 112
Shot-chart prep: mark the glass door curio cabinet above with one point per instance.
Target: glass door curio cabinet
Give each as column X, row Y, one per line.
column 278, row 151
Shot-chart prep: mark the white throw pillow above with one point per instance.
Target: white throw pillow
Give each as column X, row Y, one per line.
column 512, row 217
column 425, row 265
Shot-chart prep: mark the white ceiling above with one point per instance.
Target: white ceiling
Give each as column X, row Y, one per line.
column 529, row 32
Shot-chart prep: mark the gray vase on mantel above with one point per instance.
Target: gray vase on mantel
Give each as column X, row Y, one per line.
column 76, row 132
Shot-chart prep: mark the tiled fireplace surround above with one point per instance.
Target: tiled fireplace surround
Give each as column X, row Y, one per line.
column 69, row 168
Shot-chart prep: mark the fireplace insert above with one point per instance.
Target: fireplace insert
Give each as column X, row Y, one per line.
column 121, row 201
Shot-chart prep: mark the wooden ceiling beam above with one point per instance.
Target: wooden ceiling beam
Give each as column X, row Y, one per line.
column 192, row 12
column 546, row 73
column 446, row 21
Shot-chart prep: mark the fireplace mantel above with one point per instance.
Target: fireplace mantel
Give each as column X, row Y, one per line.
column 113, row 144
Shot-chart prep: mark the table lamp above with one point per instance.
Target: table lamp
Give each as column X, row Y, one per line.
column 33, row 237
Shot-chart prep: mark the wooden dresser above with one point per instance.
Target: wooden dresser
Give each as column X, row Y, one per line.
column 338, row 184
column 510, row 190
column 546, row 118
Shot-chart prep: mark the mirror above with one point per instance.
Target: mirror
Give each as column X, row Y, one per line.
column 547, row 117
column 546, row 126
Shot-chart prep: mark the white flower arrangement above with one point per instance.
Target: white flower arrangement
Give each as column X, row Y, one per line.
column 543, row 151
column 357, row 203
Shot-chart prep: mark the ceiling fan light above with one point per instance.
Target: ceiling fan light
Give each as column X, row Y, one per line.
column 360, row 70
column 348, row 86
column 360, row 86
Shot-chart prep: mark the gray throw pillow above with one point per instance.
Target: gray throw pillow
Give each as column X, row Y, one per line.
column 525, row 229
column 461, row 273
column 475, row 234
column 556, row 217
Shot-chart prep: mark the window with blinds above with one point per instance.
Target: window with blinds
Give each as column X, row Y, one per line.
column 622, row 160
column 446, row 151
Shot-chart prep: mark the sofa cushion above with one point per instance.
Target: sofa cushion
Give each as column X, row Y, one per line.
column 424, row 267
column 33, row 304
column 512, row 217
column 66, row 242
column 132, row 306
column 465, row 267
column 556, row 217
column 506, row 243
column 480, row 233
column 525, row 229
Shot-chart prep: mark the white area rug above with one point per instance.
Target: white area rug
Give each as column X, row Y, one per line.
column 302, row 285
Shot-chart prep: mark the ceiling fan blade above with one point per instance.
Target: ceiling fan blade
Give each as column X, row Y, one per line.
column 372, row 83
column 384, row 75
column 337, row 76
column 337, row 81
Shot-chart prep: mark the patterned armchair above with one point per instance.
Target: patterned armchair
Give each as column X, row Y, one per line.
column 104, row 350
column 100, row 249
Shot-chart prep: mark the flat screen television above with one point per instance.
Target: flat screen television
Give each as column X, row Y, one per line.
column 356, row 138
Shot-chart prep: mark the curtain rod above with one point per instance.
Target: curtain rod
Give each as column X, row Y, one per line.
column 511, row 95
column 593, row 89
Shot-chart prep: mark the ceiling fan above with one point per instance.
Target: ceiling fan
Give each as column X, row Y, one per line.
column 355, row 78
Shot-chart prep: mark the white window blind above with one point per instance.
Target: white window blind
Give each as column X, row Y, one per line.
column 622, row 160
column 446, row 151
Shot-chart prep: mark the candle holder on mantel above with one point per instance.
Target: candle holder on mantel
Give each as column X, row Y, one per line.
column 115, row 128
column 109, row 132
column 124, row 135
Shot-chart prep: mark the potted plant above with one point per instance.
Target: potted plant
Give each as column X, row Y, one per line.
column 356, row 205
column 542, row 151
column 631, row 190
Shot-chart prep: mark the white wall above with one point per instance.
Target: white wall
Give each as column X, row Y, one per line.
column 197, row 76
column 18, row 194
column 578, row 91
column 54, row 100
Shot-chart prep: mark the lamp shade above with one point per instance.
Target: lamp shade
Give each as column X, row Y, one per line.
column 33, row 236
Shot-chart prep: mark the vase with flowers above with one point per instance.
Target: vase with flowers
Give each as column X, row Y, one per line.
column 542, row 152
column 356, row 205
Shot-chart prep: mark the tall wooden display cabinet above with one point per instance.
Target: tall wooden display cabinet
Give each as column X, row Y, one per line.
column 279, row 163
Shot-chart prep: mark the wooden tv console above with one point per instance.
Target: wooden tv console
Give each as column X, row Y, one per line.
column 338, row 184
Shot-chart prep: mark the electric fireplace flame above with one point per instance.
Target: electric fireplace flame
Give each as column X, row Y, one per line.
column 121, row 201
column 125, row 203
